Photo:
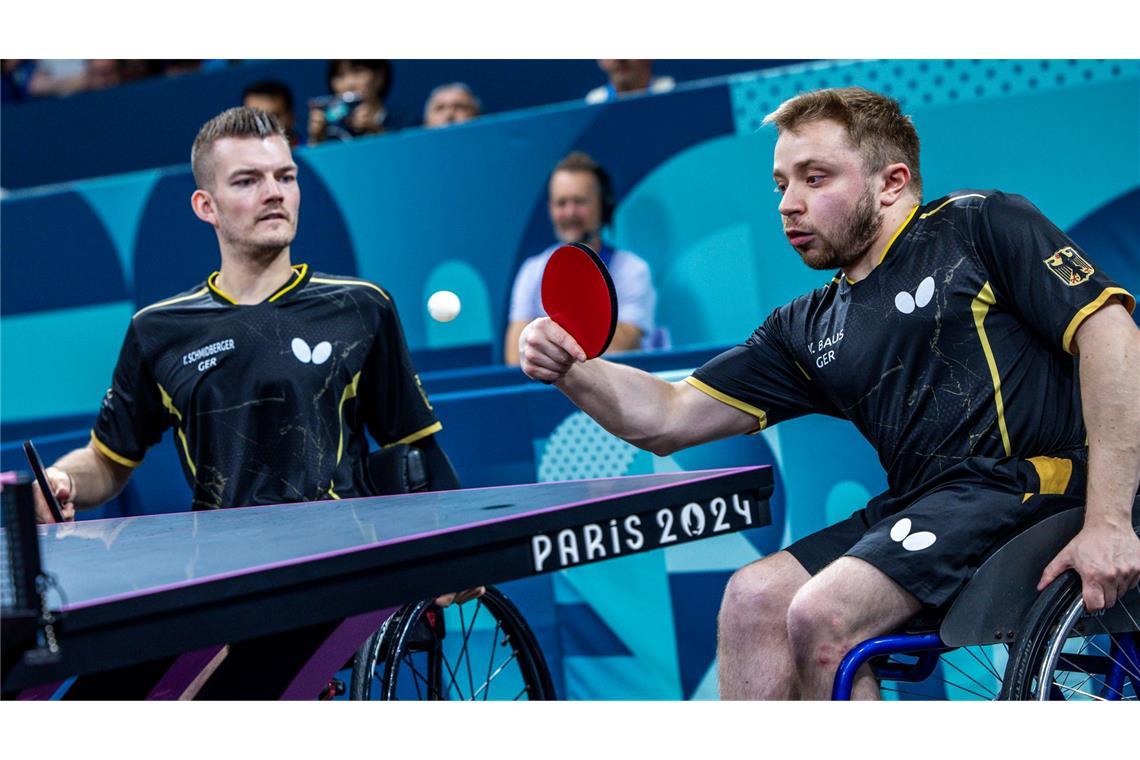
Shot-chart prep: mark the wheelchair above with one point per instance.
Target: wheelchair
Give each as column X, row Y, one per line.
column 480, row 650
column 1001, row 640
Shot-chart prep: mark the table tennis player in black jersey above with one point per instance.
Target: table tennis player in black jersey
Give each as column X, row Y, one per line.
column 948, row 338
column 269, row 373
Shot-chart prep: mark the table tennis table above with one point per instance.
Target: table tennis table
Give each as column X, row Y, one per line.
column 141, row 588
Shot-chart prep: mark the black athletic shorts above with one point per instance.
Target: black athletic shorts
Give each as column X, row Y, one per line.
column 932, row 540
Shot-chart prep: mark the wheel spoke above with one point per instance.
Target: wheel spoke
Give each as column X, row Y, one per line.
column 417, row 677
column 491, row 677
column 1091, row 643
column 1079, row 688
column 1063, row 687
column 451, row 673
column 1132, row 667
column 984, row 660
column 491, row 658
column 976, row 682
column 463, row 655
column 927, row 696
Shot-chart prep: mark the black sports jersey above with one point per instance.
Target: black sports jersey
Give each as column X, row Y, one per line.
column 269, row 402
column 954, row 346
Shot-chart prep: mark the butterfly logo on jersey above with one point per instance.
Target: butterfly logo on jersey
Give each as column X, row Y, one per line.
column 906, row 303
column 1069, row 266
column 318, row 354
column 912, row 542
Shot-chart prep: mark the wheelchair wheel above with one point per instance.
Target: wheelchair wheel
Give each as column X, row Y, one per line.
column 1071, row 655
column 481, row 650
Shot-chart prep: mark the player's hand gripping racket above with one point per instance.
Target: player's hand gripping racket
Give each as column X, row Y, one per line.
column 41, row 478
column 578, row 294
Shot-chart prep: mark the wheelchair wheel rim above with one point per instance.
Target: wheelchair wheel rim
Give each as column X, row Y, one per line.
column 1050, row 684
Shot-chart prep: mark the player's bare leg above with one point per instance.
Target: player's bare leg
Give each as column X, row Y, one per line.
column 754, row 660
column 846, row 603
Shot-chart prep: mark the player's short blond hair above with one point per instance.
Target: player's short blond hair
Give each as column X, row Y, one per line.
column 875, row 124
column 241, row 121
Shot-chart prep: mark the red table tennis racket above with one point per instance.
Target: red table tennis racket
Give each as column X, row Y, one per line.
column 578, row 294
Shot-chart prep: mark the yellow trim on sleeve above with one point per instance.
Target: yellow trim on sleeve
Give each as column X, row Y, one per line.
column 349, row 392
column 932, row 212
column 760, row 415
column 168, row 402
column 106, row 451
column 1090, row 309
column 422, row 433
column 981, row 307
column 362, row 283
column 169, row 301
column 1053, row 473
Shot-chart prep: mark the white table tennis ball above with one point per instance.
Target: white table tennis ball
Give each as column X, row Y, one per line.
column 443, row 306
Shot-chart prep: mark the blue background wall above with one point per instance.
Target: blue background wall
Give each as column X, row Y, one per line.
column 151, row 123
column 459, row 208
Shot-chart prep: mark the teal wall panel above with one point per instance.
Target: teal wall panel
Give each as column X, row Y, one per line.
column 52, row 367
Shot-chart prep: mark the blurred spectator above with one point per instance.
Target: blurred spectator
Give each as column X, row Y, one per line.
column 103, row 73
column 356, row 106
column 134, row 69
column 56, row 77
column 60, row 77
column 179, row 67
column 581, row 204
column 452, row 103
column 628, row 75
column 275, row 97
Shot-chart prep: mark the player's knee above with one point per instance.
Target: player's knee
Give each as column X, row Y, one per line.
column 754, row 596
column 819, row 628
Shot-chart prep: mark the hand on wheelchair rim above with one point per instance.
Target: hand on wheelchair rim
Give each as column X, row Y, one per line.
column 459, row 597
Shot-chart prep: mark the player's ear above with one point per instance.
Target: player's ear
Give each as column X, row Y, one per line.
column 203, row 204
column 895, row 179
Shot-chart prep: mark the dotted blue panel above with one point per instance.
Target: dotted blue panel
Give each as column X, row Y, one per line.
column 918, row 84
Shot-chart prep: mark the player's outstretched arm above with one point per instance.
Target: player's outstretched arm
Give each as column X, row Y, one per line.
column 82, row 479
column 644, row 410
column 1106, row 553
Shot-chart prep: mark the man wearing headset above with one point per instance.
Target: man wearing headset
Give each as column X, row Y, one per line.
column 581, row 203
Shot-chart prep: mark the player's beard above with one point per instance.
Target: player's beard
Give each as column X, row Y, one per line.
column 853, row 237
column 259, row 247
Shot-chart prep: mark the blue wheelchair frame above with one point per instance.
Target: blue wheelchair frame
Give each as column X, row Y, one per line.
column 928, row 647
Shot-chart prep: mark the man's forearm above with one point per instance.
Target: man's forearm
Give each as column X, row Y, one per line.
column 1110, row 396
column 95, row 479
column 626, row 401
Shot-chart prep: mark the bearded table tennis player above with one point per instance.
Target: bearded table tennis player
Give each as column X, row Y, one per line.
column 947, row 336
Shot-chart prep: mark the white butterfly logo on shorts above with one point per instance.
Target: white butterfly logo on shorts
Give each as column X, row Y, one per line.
column 905, row 302
column 912, row 542
column 318, row 354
